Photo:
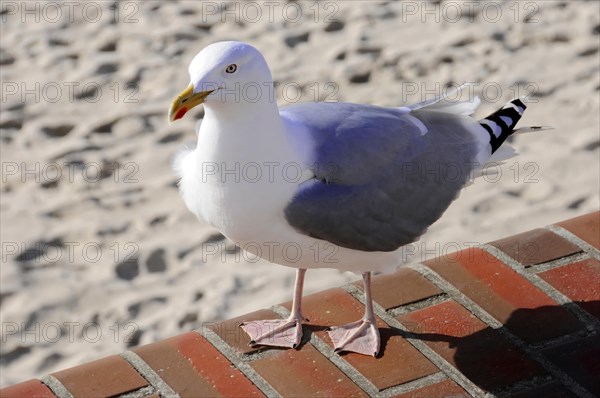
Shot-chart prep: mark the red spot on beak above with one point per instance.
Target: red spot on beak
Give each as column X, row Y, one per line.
column 180, row 113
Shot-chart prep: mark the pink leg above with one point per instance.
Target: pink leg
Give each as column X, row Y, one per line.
column 361, row 336
column 280, row 332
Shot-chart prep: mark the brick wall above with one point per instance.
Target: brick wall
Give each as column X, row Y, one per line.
column 518, row 317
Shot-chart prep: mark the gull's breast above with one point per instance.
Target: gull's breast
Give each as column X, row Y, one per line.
column 244, row 200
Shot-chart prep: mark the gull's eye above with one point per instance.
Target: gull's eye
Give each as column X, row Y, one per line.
column 231, row 68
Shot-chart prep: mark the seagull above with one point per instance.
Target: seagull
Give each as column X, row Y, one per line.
column 324, row 185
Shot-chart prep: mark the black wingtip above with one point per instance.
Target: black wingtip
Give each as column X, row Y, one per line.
column 501, row 124
column 518, row 102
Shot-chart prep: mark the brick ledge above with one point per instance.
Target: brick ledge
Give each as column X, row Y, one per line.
column 518, row 317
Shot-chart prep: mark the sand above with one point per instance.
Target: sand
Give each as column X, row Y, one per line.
column 99, row 252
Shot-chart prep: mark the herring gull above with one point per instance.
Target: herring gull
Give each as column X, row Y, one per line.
column 324, row 185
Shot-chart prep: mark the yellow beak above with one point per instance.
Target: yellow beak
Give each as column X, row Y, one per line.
column 185, row 101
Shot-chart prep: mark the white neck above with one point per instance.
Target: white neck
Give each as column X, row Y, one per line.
column 243, row 132
column 236, row 139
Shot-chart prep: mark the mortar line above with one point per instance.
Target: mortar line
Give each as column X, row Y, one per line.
column 143, row 392
column 354, row 375
column 417, row 305
column 484, row 316
column 236, row 359
column 559, row 262
column 571, row 237
column 523, row 386
column 56, row 387
column 413, row 385
column 544, row 286
column 149, row 374
column 450, row 371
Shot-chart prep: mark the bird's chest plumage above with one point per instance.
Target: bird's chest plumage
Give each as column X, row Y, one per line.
column 240, row 186
column 238, row 206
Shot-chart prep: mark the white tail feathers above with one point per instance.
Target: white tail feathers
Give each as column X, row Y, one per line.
column 503, row 153
column 444, row 103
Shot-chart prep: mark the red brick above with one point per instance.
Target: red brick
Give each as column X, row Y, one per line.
column 585, row 227
column 506, row 295
column 215, row 368
column 479, row 352
column 536, row 247
column 31, row 389
column 231, row 332
column 303, row 373
column 193, row 367
column 398, row 362
column 581, row 360
column 405, row 286
column 551, row 390
column 580, row 282
column 175, row 369
column 444, row 389
column 101, row 378
column 331, row 307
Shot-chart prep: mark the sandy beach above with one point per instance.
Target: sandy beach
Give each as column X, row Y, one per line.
column 98, row 250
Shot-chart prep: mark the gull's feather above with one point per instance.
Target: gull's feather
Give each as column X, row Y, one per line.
column 379, row 183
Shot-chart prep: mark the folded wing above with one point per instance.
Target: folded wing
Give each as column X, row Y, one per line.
column 382, row 175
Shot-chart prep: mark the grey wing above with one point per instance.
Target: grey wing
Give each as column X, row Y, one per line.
column 382, row 175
